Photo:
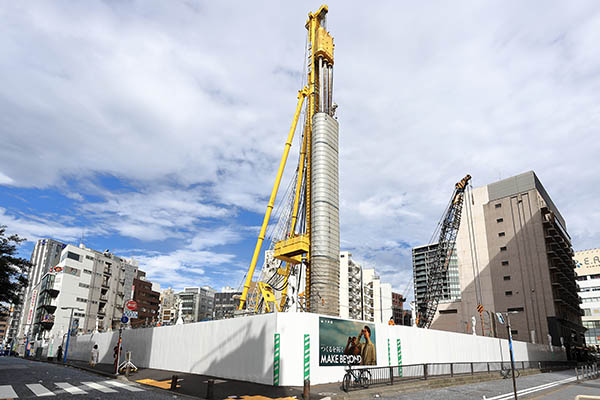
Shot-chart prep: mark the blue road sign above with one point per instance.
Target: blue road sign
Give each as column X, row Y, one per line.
column 124, row 319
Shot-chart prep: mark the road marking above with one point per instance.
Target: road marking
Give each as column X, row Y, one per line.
column 39, row 390
column 534, row 389
column 97, row 386
column 125, row 386
column 67, row 387
column 7, row 392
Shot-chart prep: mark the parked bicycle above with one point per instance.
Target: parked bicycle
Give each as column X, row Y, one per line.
column 355, row 378
column 507, row 373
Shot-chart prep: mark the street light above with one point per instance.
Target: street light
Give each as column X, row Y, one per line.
column 69, row 330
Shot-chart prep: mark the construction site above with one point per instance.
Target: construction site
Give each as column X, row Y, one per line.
column 287, row 328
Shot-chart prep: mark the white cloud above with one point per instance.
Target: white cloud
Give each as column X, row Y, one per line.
column 180, row 97
column 34, row 228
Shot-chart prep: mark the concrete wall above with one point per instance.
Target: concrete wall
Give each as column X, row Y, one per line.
column 243, row 348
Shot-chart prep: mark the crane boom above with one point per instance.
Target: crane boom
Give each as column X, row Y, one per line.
column 436, row 270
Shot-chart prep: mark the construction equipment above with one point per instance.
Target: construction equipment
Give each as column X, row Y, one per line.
column 437, row 269
column 303, row 242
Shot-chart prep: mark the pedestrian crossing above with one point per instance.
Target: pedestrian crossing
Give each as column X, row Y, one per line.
column 56, row 388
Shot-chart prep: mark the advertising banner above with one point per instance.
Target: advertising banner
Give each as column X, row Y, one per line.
column 343, row 342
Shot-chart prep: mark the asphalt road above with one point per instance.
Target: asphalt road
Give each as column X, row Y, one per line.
column 26, row 379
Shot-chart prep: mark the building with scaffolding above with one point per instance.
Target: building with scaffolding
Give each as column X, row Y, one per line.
column 515, row 255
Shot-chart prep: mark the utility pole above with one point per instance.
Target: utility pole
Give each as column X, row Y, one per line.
column 512, row 359
column 69, row 330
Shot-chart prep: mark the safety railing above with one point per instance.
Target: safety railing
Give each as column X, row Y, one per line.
column 362, row 377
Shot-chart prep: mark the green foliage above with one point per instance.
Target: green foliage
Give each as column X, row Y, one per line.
column 12, row 270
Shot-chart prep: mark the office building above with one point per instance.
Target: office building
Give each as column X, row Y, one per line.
column 515, row 255
column 422, row 259
column 400, row 315
column 226, row 302
column 588, row 279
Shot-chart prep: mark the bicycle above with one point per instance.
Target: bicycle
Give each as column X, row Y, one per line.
column 358, row 377
column 507, row 373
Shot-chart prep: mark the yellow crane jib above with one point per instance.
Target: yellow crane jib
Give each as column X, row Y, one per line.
column 268, row 296
column 302, row 94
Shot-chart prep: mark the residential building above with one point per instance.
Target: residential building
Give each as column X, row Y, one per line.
column 98, row 284
column 350, row 287
column 515, row 255
column 46, row 254
column 226, row 302
column 147, row 300
column 362, row 294
column 168, row 307
column 197, row 303
column 400, row 315
column 588, row 277
column 3, row 331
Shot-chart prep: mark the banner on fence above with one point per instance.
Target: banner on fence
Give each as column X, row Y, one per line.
column 343, row 342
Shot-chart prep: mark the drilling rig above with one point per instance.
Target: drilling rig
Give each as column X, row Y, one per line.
column 438, row 267
column 301, row 267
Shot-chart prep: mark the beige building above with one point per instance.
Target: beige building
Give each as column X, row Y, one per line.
column 588, row 277
column 515, row 255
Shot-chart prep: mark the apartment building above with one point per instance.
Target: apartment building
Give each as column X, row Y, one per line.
column 588, row 280
column 197, row 303
column 168, row 307
column 96, row 284
column 148, row 302
column 46, row 254
column 515, row 255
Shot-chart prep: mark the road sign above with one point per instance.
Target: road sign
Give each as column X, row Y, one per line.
column 131, row 305
column 479, row 308
column 500, row 318
column 130, row 314
column 124, row 319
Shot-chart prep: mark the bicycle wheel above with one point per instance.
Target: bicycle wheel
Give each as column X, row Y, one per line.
column 365, row 378
column 346, row 382
column 517, row 373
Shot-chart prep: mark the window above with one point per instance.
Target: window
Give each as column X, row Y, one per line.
column 89, row 257
column 587, row 312
column 84, row 285
column 79, row 299
column 73, row 256
column 503, row 248
column 501, row 234
column 508, row 293
column 498, row 205
column 505, row 262
column 87, row 271
column 514, row 332
column 499, row 220
column 507, row 278
column 515, row 309
column 448, row 311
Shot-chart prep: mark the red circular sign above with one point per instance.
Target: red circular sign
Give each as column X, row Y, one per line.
column 131, row 305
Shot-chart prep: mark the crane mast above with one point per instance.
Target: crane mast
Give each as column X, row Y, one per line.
column 290, row 255
column 437, row 269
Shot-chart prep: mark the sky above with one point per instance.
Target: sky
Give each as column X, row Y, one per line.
column 155, row 129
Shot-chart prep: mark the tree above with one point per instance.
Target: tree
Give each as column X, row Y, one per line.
column 12, row 270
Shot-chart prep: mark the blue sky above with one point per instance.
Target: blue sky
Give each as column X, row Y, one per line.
column 155, row 128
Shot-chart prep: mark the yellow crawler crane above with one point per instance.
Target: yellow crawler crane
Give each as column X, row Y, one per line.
column 294, row 248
